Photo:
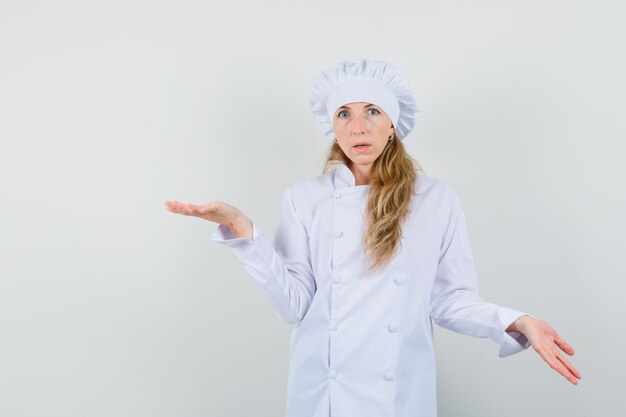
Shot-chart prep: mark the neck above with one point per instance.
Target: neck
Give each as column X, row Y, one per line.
column 361, row 174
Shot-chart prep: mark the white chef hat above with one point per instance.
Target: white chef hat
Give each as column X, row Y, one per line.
column 371, row 81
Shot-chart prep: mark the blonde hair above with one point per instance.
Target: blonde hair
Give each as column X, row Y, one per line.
column 391, row 190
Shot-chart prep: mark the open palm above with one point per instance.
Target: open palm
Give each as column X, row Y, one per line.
column 545, row 340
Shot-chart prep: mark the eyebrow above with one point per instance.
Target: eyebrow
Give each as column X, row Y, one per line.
column 345, row 107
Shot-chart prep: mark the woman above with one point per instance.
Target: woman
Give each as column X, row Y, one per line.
column 365, row 256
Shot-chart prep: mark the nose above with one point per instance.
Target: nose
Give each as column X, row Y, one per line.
column 358, row 124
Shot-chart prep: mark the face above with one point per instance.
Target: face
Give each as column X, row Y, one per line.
column 362, row 123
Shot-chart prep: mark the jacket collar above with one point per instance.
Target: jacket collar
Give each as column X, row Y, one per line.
column 343, row 178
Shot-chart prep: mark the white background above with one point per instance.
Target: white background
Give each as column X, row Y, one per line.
column 112, row 306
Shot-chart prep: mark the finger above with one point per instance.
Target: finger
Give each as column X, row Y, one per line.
column 179, row 207
column 171, row 207
column 569, row 366
column 204, row 209
column 560, row 368
column 184, row 209
column 192, row 209
column 556, row 364
column 564, row 346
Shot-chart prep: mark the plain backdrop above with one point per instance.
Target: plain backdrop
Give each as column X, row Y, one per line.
column 110, row 305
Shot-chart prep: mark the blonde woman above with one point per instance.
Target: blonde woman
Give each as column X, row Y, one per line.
column 366, row 256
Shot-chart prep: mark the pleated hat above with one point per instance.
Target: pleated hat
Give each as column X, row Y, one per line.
column 367, row 80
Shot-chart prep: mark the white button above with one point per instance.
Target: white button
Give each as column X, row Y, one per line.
column 399, row 281
column 333, row 325
column 337, row 279
column 337, row 194
column 332, row 374
column 338, row 234
column 388, row 376
column 393, row 328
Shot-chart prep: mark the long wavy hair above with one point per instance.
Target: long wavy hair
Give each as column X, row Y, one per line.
column 391, row 190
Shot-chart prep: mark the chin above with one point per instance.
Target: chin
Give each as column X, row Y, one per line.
column 363, row 159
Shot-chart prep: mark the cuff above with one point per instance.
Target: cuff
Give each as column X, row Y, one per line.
column 242, row 246
column 512, row 342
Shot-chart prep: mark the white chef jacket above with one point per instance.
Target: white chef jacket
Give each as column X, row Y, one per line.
column 363, row 346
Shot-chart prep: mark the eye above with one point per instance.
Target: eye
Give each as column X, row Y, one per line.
column 374, row 110
column 340, row 113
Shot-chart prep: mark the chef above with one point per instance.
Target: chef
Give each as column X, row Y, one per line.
column 366, row 256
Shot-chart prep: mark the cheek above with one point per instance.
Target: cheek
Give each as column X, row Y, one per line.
column 382, row 124
column 340, row 127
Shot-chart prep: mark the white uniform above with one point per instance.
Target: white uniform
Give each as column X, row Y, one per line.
column 363, row 346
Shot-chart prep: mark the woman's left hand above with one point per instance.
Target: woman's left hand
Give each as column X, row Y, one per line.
column 544, row 339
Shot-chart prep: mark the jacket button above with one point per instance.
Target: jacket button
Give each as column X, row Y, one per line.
column 393, row 328
column 337, row 194
column 332, row 374
column 337, row 279
column 399, row 280
column 333, row 325
column 338, row 234
column 388, row 376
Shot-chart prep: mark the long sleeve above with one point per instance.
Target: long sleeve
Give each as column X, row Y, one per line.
column 282, row 269
column 455, row 302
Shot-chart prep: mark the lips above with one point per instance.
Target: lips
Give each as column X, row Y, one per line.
column 364, row 148
column 360, row 143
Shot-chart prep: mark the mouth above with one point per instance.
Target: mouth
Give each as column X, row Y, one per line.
column 362, row 147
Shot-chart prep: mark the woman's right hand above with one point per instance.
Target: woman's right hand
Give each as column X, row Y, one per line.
column 215, row 211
